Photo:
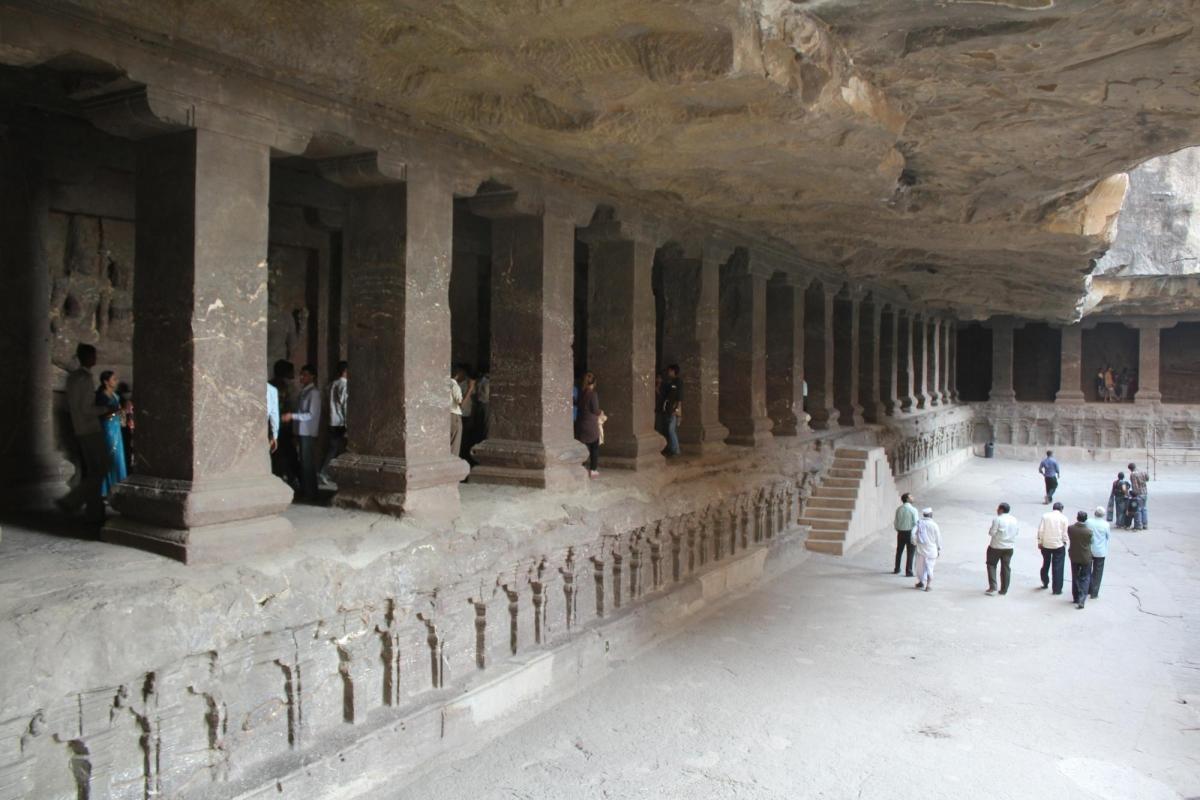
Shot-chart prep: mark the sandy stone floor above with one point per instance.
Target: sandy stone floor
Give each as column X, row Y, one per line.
column 838, row 680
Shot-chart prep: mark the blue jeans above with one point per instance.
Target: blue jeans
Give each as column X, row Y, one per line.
column 673, row 434
column 1141, row 519
column 1116, row 509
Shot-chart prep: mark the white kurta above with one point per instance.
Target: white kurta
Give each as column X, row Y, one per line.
column 927, row 541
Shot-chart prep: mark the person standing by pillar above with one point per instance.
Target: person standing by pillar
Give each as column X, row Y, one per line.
column 107, row 400
column 1003, row 535
column 85, row 423
column 1100, row 534
column 587, row 423
column 284, row 461
column 1050, row 471
column 672, row 409
column 1052, row 542
column 905, row 521
column 339, row 399
column 273, row 418
column 307, row 418
column 1139, row 481
column 458, row 400
column 1081, row 559
column 927, row 539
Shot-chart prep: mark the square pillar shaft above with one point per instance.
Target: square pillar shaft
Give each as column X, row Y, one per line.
column 530, row 440
column 920, row 341
column 904, row 369
column 691, row 338
column 204, row 489
column 888, row 349
column 818, row 356
column 935, row 362
column 1002, row 363
column 31, row 470
column 785, row 357
column 951, row 361
column 621, row 350
column 1149, row 364
column 1070, row 387
column 846, row 364
column 869, row 369
column 744, row 357
column 398, row 242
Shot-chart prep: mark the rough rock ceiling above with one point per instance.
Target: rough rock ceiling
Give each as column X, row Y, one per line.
column 948, row 149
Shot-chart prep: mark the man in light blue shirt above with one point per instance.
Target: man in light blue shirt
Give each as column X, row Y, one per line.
column 1100, row 534
column 905, row 521
column 1050, row 472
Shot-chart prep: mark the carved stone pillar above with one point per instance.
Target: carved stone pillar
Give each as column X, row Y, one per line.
column 743, row 327
column 531, row 441
column 397, row 244
column 952, row 361
column 785, row 354
column 1149, row 362
column 935, row 361
column 920, row 345
column 846, row 356
column 691, row 285
column 904, row 369
column 888, row 350
column 621, row 342
column 818, row 355
column 31, row 470
column 1070, row 385
column 870, row 395
column 204, row 489
column 1002, row 361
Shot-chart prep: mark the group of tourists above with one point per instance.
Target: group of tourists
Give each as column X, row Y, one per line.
column 668, row 407
column 470, row 399
column 1114, row 386
column 294, row 419
column 1083, row 543
column 102, row 424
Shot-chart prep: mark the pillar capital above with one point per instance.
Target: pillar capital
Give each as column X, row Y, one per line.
column 534, row 200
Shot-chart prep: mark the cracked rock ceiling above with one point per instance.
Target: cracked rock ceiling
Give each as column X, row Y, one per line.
column 957, row 151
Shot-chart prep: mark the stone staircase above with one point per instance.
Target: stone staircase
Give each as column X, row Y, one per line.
column 830, row 509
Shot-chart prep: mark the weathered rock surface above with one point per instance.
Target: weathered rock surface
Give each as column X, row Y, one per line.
column 957, row 151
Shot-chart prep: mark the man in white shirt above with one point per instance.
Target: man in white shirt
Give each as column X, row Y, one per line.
column 927, row 539
column 272, row 417
column 456, row 403
column 85, row 423
column 307, row 420
column 1003, row 534
column 339, row 399
column 1052, row 542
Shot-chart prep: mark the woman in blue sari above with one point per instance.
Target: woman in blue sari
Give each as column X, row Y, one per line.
column 107, row 397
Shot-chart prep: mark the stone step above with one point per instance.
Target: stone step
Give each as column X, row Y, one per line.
column 826, row 526
column 840, row 472
column 842, row 461
column 828, row 513
column 841, row 483
column 823, row 546
column 850, row 492
column 846, row 503
column 851, row 452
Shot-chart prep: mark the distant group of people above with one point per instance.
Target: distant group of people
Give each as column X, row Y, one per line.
column 1082, row 543
column 470, row 399
column 668, row 407
column 1114, row 386
column 294, row 417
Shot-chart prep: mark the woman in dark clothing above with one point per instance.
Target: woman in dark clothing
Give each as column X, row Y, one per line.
column 587, row 422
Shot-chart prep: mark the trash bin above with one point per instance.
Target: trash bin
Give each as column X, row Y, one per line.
column 989, row 450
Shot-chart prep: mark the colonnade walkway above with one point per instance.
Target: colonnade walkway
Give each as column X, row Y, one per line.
column 838, row 680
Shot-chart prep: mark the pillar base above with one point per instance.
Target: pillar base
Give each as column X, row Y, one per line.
column 636, row 453
column 873, row 412
column 33, row 483
column 824, row 419
column 206, row 544
column 1069, row 397
column 543, row 466
column 701, row 439
column 789, row 425
column 396, row 486
column 1002, row 397
column 1147, row 398
column 853, row 420
column 753, row 432
column 182, row 505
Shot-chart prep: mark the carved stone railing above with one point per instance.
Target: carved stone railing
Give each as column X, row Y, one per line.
column 921, row 449
column 1092, row 425
column 219, row 722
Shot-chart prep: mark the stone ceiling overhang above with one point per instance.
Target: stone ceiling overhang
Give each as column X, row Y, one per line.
column 964, row 155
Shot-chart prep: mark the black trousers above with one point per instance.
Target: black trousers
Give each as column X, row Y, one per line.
column 1051, row 487
column 593, row 455
column 904, row 541
column 1003, row 558
column 1081, row 578
column 1053, row 560
column 1097, row 575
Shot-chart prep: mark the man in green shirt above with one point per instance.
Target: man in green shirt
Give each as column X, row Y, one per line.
column 906, row 520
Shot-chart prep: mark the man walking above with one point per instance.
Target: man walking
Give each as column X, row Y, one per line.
column 85, row 424
column 671, row 409
column 1050, row 472
column 1003, row 535
column 927, row 539
column 339, row 398
column 1100, row 534
column 1081, row 558
column 1139, row 487
column 307, row 418
column 905, row 521
column 1052, row 542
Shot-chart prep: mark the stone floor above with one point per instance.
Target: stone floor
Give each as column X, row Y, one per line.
column 839, row 680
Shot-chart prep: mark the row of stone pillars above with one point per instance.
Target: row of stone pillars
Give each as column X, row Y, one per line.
column 1071, row 354
column 745, row 335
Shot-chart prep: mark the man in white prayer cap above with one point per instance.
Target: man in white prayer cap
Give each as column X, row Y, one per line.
column 927, row 541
